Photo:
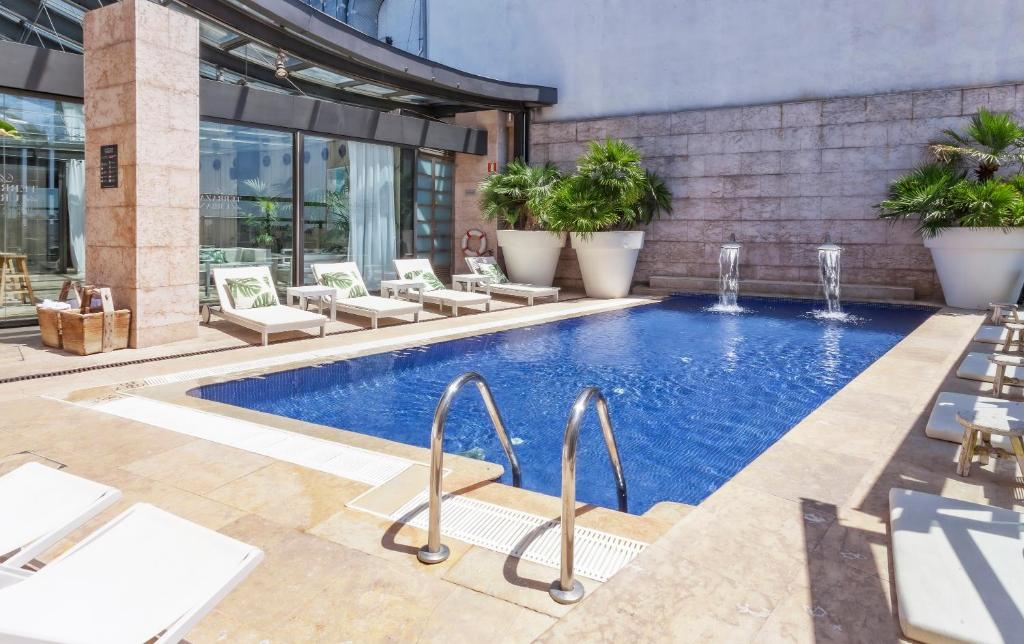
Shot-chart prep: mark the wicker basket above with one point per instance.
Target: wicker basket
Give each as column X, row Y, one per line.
column 84, row 332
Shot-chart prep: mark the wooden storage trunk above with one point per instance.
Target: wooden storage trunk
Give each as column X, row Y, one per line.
column 49, row 326
column 84, row 332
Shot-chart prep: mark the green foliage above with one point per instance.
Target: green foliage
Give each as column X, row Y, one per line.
column 8, row 130
column 266, row 219
column 347, row 283
column 989, row 142
column 941, row 194
column 610, row 191
column 517, row 194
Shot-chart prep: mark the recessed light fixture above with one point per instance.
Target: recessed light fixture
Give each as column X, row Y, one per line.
column 279, row 69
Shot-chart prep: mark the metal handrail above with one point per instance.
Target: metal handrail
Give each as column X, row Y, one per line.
column 435, row 551
column 566, row 589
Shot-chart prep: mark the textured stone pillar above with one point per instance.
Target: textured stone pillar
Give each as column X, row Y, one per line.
column 142, row 95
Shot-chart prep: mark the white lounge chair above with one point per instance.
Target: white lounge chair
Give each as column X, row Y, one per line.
column 352, row 296
column 435, row 292
column 41, row 505
column 272, row 318
column 959, row 570
column 147, row 573
column 488, row 267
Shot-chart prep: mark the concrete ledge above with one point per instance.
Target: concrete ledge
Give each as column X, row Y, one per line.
column 769, row 287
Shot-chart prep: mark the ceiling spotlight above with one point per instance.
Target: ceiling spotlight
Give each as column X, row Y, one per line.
column 279, row 69
column 220, row 74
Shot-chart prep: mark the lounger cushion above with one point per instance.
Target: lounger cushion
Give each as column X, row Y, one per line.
column 991, row 334
column 487, row 266
column 942, row 423
column 251, row 292
column 959, row 569
column 427, row 277
column 382, row 305
column 524, row 290
column 125, row 583
column 276, row 318
column 347, row 284
column 976, row 366
column 458, row 298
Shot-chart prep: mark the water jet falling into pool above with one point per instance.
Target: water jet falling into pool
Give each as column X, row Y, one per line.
column 829, row 266
column 728, row 277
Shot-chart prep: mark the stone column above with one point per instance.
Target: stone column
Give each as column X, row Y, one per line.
column 142, row 95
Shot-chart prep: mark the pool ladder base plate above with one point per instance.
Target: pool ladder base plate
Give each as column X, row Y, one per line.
column 425, row 555
column 570, row 596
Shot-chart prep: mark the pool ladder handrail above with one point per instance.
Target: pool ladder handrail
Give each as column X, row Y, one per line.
column 566, row 589
column 435, row 551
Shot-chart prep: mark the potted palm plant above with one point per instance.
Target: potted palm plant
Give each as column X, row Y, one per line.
column 969, row 204
column 601, row 205
column 516, row 197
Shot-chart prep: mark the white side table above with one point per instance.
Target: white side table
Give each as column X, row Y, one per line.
column 313, row 292
column 399, row 286
column 469, row 281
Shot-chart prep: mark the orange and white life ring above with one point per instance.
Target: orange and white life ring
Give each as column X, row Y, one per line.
column 477, row 237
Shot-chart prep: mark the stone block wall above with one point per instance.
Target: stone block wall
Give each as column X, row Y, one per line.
column 470, row 169
column 781, row 177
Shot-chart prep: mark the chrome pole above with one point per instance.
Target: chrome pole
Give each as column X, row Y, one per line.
column 435, row 551
column 566, row 589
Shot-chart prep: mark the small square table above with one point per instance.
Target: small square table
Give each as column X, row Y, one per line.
column 314, row 291
column 979, row 424
column 1002, row 361
column 469, row 281
column 399, row 286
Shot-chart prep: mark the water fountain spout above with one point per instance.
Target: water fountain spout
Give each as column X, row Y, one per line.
column 729, row 276
column 829, row 256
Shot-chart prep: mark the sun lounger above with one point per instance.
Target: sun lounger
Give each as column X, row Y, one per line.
column 351, row 295
column 942, row 423
column 257, row 307
column 959, row 570
column 488, row 267
column 435, row 292
column 147, row 573
column 990, row 334
column 977, row 366
column 40, row 505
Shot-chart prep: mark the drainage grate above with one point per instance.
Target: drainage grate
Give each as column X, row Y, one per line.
column 365, row 466
column 598, row 555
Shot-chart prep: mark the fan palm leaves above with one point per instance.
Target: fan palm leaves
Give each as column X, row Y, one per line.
column 347, row 283
column 265, row 220
column 517, row 194
column 990, row 141
column 610, row 190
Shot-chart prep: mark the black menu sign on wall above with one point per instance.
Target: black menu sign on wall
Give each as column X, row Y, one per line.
column 108, row 166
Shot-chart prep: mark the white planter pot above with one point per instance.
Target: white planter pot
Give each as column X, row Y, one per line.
column 977, row 266
column 607, row 261
column 531, row 256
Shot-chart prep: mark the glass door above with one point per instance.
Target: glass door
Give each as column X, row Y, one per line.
column 433, row 226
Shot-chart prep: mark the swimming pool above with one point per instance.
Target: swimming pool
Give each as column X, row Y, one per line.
column 694, row 396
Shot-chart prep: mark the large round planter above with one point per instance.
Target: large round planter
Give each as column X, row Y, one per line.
column 977, row 266
column 607, row 261
column 531, row 256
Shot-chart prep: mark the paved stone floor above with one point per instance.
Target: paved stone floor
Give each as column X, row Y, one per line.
column 794, row 548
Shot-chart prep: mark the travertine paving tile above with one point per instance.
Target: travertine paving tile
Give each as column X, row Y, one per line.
column 458, row 619
column 199, row 466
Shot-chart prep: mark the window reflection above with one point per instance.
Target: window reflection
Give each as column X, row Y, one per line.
column 245, row 178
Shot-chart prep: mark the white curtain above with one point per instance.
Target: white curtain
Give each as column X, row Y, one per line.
column 372, row 228
column 76, row 211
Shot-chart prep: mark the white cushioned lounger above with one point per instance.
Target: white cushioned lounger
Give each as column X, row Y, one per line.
column 942, row 422
column 990, row 334
column 443, row 296
column 976, row 366
column 264, row 319
column 513, row 289
column 144, row 572
column 41, row 505
column 959, row 570
column 370, row 306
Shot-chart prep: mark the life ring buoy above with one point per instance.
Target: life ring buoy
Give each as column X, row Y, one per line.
column 480, row 237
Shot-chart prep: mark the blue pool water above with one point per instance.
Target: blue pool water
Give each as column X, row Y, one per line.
column 694, row 396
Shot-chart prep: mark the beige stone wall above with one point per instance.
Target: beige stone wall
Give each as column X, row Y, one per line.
column 469, row 170
column 780, row 177
column 142, row 94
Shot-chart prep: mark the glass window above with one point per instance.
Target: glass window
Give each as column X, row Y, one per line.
column 350, row 209
column 42, row 207
column 434, row 211
column 245, row 209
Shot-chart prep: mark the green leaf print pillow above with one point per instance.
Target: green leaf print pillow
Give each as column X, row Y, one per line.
column 251, row 292
column 347, row 283
column 427, row 277
column 487, row 267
